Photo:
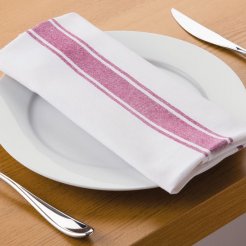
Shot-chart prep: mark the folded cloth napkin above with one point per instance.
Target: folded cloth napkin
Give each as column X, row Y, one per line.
column 167, row 131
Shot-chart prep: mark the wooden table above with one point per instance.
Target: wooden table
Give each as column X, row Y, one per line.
column 150, row 217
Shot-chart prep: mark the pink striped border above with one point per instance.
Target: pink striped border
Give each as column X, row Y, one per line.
column 122, row 89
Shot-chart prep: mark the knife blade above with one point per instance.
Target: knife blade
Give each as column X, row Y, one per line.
column 203, row 33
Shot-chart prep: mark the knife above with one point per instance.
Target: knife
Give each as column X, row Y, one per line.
column 203, row 33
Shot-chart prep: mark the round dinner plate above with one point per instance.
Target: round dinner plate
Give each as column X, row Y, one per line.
column 45, row 141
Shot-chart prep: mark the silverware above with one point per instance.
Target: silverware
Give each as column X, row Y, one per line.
column 59, row 220
column 204, row 33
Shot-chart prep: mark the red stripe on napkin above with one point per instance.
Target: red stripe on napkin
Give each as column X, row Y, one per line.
column 125, row 91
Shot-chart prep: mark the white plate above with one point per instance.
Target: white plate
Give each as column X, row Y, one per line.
column 45, row 141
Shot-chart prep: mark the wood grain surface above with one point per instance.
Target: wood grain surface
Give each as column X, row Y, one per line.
column 150, row 217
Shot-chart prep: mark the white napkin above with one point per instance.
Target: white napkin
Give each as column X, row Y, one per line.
column 167, row 131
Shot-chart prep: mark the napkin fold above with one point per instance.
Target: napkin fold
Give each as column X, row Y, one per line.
column 167, row 131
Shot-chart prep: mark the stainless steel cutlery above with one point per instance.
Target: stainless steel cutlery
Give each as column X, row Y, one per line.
column 203, row 33
column 58, row 219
